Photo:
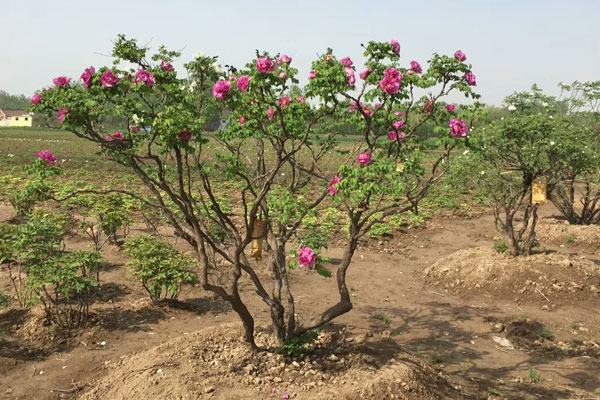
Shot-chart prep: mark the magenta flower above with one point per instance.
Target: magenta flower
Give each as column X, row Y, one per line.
column 109, row 79
column 415, row 66
column 399, row 114
column 47, row 156
column 118, row 135
column 134, row 128
column 378, row 105
column 396, row 45
column 61, row 81
column 398, row 124
column 60, row 115
column 243, row 82
column 450, row 107
column 346, row 62
column 390, row 83
column 458, row 127
column 428, row 106
column 312, row 74
column 459, row 55
column 166, row 66
column 364, row 73
column 350, row 78
column 393, row 135
column 284, row 58
column 185, row 135
column 470, row 77
column 264, row 64
column 270, row 114
column 145, row 77
column 367, row 111
column 221, row 89
column 364, row 158
column 306, row 257
column 36, row 99
column 284, row 101
column 332, row 188
column 301, row 99
column 354, row 106
column 242, row 120
column 86, row 76
column 282, row 75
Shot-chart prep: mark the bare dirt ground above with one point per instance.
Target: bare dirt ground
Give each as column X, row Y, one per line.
column 410, row 335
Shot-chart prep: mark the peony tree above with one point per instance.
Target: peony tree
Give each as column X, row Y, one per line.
column 280, row 150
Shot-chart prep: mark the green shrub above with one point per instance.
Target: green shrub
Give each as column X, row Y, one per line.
column 160, row 268
column 299, row 347
column 63, row 283
column 500, row 247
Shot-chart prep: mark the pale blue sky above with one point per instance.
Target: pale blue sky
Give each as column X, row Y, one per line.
column 511, row 44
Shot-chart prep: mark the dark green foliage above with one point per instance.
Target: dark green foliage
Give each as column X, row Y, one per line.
column 160, row 268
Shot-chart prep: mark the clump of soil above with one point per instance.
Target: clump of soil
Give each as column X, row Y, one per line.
column 214, row 363
column 532, row 335
column 544, row 277
column 553, row 230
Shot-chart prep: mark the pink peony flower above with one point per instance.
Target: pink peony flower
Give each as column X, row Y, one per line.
column 458, row 127
column 166, row 66
column 284, row 101
column 399, row 114
column 270, row 114
column 221, row 89
column 232, row 78
column 410, row 72
column 346, row 62
column 415, row 66
column 450, row 107
column 145, row 77
column 301, row 99
column 306, row 257
column 60, row 115
column 243, row 82
column 470, row 77
column 391, row 81
column 242, row 120
column 47, row 156
column 354, row 106
column 36, row 99
column 86, row 76
column 396, row 45
column 393, row 135
column 282, row 75
column 329, row 57
column 134, row 128
column 115, row 136
column 428, row 106
column 61, row 81
column 364, row 158
column 459, row 55
column 367, row 111
column 185, row 135
column 350, row 78
column 264, row 64
column 364, row 73
column 333, row 186
column 109, row 79
column 398, row 124
column 312, row 74
column 284, row 58
column 378, row 105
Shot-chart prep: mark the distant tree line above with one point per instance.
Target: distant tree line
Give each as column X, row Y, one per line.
column 13, row 102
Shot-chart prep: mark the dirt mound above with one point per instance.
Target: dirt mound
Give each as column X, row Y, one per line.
column 545, row 277
column 214, row 363
column 552, row 230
